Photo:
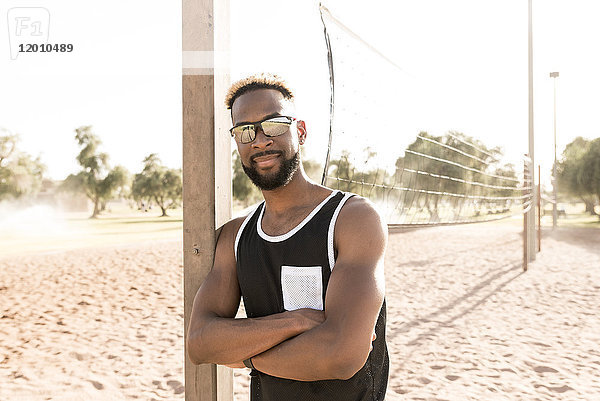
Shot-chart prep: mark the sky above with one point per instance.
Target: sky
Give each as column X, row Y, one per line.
column 462, row 66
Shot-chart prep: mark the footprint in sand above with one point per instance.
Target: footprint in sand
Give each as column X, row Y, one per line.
column 97, row 385
column 158, row 384
column 545, row 369
column 560, row 389
column 176, row 385
column 400, row 390
column 78, row 356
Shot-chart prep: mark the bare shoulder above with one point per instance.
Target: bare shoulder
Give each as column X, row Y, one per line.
column 231, row 227
column 360, row 222
column 227, row 233
column 359, row 211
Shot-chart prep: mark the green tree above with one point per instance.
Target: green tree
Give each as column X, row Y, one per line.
column 364, row 181
column 573, row 179
column 97, row 180
column 20, row 174
column 243, row 189
column 589, row 174
column 423, row 168
column 313, row 169
column 158, row 183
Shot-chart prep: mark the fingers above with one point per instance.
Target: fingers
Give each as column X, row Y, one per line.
column 373, row 337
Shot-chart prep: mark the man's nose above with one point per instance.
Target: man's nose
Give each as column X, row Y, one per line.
column 261, row 140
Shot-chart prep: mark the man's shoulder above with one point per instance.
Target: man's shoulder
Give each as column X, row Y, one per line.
column 359, row 213
column 357, row 206
column 231, row 228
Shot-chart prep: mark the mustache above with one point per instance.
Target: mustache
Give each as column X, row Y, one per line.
column 265, row 153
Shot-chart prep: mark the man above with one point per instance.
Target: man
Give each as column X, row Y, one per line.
column 308, row 262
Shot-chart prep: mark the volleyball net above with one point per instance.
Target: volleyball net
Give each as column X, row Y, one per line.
column 381, row 146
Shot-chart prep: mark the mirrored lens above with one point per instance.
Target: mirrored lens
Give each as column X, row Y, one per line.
column 274, row 127
column 247, row 134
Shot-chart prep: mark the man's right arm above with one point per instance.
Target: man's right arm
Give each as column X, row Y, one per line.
column 214, row 335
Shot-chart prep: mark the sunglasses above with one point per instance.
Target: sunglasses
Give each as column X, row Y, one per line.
column 272, row 126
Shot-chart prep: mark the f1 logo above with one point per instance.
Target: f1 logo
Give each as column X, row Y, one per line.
column 27, row 25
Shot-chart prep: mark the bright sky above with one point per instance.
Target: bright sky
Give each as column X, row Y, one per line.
column 466, row 61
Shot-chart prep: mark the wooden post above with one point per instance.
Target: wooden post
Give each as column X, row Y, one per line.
column 206, row 168
column 539, row 209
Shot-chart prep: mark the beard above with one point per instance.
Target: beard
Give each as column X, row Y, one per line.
column 269, row 182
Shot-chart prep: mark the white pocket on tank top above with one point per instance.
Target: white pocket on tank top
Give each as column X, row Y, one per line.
column 302, row 287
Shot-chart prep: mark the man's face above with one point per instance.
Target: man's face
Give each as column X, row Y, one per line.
column 269, row 162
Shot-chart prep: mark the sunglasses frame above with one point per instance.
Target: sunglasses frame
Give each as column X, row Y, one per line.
column 256, row 124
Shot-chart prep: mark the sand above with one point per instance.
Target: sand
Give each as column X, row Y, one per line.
column 464, row 321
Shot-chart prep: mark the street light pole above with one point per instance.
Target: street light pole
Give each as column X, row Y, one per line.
column 530, row 215
column 554, row 178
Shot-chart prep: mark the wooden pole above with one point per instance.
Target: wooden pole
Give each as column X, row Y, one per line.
column 539, row 208
column 206, row 168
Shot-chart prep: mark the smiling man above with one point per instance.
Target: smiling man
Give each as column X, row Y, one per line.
column 308, row 262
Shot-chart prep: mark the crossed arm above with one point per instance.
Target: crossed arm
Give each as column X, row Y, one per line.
column 304, row 344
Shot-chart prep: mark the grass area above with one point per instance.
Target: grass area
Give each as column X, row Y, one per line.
column 41, row 229
column 575, row 217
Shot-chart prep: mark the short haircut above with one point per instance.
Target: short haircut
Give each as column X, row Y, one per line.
column 258, row 81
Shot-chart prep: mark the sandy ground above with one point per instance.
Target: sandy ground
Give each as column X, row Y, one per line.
column 464, row 321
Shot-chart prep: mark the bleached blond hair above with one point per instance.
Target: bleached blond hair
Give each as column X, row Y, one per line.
column 257, row 81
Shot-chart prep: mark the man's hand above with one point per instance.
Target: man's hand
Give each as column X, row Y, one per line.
column 237, row 365
column 308, row 318
column 320, row 315
column 311, row 318
column 373, row 337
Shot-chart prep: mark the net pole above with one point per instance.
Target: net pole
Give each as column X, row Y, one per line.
column 525, row 225
column 206, row 169
column 331, row 94
column 539, row 208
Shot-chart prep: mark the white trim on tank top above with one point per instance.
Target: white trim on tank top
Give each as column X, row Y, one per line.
column 330, row 250
column 283, row 237
column 241, row 229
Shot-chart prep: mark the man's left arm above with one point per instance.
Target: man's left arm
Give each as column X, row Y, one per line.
column 340, row 346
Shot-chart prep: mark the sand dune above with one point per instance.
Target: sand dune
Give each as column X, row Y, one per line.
column 465, row 323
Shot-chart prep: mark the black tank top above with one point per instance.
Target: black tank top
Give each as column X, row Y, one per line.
column 291, row 271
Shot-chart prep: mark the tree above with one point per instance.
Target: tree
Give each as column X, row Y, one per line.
column 365, row 181
column 97, row 180
column 20, row 174
column 573, row 179
column 436, row 177
column 157, row 183
column 312, row 168
column 589, row 174
column 243, row 189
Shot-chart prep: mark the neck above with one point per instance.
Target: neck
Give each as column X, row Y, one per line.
column 299, row 191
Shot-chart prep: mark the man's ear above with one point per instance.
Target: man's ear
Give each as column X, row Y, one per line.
column 301, row 131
